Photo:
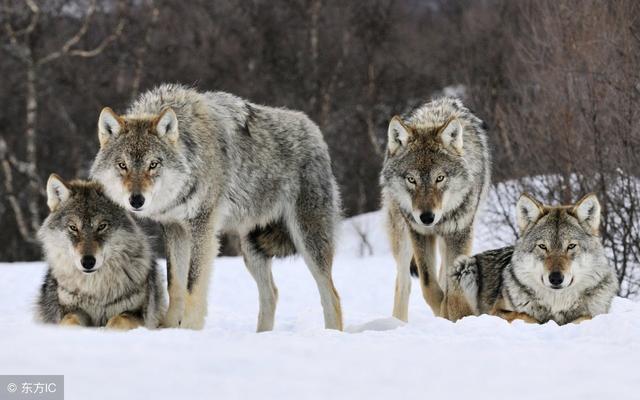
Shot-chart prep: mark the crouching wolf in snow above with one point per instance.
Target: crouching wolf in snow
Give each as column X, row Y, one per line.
column 101, row 271
column 206, row 163
column 435, row 176
column 557, row 270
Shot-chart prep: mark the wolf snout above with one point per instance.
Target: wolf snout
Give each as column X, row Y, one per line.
column 427, row 217
column 556, row 278
column 88, row 262
column 136, row 201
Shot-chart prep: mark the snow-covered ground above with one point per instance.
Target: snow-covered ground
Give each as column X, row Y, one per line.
column 377, row 358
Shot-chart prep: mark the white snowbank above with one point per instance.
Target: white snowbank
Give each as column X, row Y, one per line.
column 377, row 357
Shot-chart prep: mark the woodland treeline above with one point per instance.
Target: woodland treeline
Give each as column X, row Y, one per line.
column 557, row 82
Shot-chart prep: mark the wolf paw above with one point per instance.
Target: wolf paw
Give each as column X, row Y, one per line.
column 123, row 323
column 71, row 320
column 174, row 316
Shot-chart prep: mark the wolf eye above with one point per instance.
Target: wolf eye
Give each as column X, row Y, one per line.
column 73, row 228
column 571, row 246
column 542, row 246
column 153, row 165
column 440, row 178
column 411, row 180
column 102, row 227
column 122, row 166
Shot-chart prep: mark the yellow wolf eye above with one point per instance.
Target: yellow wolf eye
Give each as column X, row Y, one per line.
column 571, row 246
column 411, row 180
column 102, row 227
column 122, row 165
column 73, row 228
column 440, row 178
column 543, row 247
column 153, row 165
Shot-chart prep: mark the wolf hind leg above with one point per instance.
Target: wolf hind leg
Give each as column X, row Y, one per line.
column 259, row 266
column 462, row 289
column 124, row 322
column 312, row 231
column 75, row 318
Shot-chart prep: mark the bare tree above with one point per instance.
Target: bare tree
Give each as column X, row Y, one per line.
column 21, row 46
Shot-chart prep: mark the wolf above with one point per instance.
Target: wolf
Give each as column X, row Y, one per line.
column 556, row 271
column 100, row 268
column 435, row 176
column 205, row 163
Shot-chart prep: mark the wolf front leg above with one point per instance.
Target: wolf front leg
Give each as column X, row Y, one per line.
column 424, row 255
column 177, row 239
column 454, row 245
column 403, row 254
column 204, row 247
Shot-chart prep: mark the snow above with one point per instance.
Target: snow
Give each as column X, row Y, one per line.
column 377, row 357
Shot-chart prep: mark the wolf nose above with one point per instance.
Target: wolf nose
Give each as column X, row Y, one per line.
column 88, row 262
column 136, row 200
column 427, row 217
column 556, row 278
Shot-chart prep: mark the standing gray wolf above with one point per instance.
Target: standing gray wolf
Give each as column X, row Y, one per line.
column 557, row 269
column 206, row 163
column 101, row 271
column 435, row 176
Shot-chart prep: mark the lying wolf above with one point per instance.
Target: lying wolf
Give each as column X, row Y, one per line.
column 101, row 271
column 202, row 164
column 557, row 270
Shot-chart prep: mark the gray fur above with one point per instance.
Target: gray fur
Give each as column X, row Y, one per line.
column 423, row 146
column 261, row 172
column 513, row 279
column 125, row 279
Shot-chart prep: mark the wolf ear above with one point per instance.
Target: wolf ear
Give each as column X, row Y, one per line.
column 451, row 134
column 109, row 125
column 528, row 211
column 398, row 134
column 587, row 210
column 57, row 191
column 167, row 125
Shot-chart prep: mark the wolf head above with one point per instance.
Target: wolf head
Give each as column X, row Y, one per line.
column 559, row 245
column 139, row 164
column 84, row 226
column 424, row 170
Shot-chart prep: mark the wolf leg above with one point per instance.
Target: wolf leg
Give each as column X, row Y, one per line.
column 259, row 266
column 124, row 322
column 312, row 230
column 76, row 318
column 203, row 250
column 455, row 245
column 462, row 289
column 424, row 251
column 178, row 249
column 402, row 253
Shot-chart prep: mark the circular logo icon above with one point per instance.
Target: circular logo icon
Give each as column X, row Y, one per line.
column 12, row 388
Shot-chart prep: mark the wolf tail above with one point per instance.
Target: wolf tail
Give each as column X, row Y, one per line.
column 273, row 240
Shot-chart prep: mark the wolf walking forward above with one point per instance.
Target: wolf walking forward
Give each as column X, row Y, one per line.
column 435, row 176
column 557, row 270
column 206, row 163
column 101, row 271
